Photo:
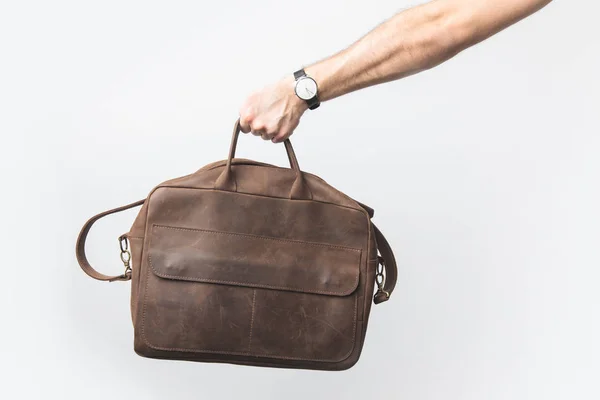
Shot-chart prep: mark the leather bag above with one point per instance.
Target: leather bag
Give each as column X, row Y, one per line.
column 247, row 263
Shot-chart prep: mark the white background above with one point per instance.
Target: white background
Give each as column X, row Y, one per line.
column 483, row 173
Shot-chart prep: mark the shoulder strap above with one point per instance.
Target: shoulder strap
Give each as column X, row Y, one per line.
column 389, row 263
column 387, row 259
column 80, row 246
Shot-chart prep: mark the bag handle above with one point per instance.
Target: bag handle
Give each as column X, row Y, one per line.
column 80, row 246
column 226, row 181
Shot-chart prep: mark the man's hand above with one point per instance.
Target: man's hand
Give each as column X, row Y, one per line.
column 273, row 112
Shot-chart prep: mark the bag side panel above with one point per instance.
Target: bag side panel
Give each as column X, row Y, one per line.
column 369, row 283
column 136, row 242
column 135, row 245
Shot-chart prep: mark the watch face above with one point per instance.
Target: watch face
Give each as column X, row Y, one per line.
column 306, row 88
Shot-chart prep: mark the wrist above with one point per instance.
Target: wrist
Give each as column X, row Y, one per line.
column 317, row 72
column 299, row 105
column 332, row 76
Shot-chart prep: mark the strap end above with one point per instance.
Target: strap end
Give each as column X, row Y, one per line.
column 121, row 278
column 381, row 297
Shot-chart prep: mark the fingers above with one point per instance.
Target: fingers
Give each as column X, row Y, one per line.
column 285, row 132
column 257, row 127
column 250, row 124
column 244, row 124
column 275, row 135
column 264, row 135
column 280, row 137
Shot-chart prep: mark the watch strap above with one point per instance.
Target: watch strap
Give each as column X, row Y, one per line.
column 313, row 103
column 299, row 74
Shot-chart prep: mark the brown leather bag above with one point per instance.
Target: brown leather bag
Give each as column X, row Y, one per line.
column 247, row 263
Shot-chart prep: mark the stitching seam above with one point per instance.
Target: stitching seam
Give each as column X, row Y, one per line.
column 167, row 185
column 252, row 318
column 258, row 236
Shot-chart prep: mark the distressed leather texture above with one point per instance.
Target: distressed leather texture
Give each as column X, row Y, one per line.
column 247, row 263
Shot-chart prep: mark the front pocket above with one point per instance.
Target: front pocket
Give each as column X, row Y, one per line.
column 303, row 326
column 231, row 293
column 186, row 316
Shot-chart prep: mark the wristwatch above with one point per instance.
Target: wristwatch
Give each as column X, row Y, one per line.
column 306, row 88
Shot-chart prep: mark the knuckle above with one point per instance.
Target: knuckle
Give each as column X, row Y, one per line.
column 282, row 134
column 272, row 129
column 257, row 125
column 246, row 115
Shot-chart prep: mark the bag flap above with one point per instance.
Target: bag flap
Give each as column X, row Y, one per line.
column 242, row 259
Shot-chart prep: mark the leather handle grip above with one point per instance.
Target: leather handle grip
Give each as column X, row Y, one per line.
column 226, row 181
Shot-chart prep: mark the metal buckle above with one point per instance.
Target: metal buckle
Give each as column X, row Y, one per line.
column 125, row 255
column 380, row 277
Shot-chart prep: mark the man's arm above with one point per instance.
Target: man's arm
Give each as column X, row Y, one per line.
column 410, row 42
